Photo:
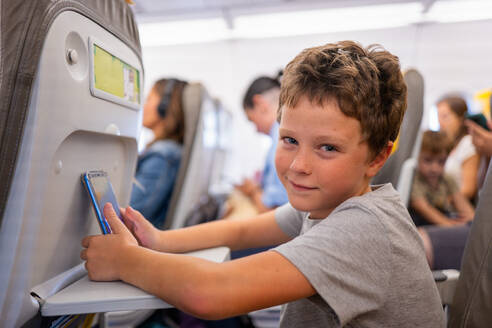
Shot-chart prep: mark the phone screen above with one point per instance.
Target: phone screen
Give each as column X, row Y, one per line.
column 101, row 192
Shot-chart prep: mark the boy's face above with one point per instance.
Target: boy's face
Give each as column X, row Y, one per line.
column 431, row 166
column 321, row 159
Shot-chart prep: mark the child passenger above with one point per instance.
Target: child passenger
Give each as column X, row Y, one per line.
column 436, row 198
column 349, row 253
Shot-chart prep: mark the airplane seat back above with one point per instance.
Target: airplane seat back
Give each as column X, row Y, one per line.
column 199, row 151
column 219, row 183
column 70, row 85
column 408, row 140
column 471, row 306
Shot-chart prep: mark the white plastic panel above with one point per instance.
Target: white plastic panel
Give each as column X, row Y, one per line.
column 68, row 131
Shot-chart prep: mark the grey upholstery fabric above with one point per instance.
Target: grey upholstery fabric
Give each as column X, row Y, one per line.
column 192, row 102
column 472, row 303
column 408, row 131
column 24, row 25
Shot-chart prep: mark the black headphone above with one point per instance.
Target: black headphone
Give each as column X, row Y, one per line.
column 166, row 97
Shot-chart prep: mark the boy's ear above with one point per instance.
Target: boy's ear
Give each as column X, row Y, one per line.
column 378, row 161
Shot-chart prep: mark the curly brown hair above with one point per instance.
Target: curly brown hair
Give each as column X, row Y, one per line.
column 367, row 84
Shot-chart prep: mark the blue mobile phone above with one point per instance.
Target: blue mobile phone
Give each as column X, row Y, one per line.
column 100, row 192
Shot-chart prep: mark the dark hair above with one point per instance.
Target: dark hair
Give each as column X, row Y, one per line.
column 175, row 126
column 258, row 86
column 458, row 106
column 366, row 83
column 435, row 143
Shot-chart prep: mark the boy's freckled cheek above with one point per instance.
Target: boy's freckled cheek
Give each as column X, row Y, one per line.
column 280, row 158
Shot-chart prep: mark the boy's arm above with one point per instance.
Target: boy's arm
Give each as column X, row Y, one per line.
column 211, row 290
column 258, row 231
column 463, row 206
column 430, row 213
column 205, row 289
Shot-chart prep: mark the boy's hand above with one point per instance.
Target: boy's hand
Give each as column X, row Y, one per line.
column 143, row 230
column 104, row 253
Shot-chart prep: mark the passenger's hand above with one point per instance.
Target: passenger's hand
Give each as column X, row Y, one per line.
column 481, row 138
column 104, row 253
column 142, row 229
column 248, row 187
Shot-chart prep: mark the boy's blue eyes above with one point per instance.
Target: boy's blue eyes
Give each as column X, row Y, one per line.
column 292, row 141
column 328, row 148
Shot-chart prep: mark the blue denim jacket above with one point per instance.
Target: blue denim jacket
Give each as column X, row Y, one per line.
column 157, row 169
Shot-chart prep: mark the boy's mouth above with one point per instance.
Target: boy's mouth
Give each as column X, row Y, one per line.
column 300, row 187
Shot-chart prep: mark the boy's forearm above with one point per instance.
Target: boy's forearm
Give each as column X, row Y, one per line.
column 236, row 234
column 182, row 281
column 429, row 213
column 210, row 290
column 206, row 235
column 434, row 216
column 463, row 206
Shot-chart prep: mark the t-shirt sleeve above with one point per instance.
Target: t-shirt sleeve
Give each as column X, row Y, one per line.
column 347, row 260
column 289, row 220
column 451, row 184
column 418, row 189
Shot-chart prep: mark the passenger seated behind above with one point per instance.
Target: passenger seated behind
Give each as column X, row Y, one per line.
column 435, row 197
column 349, row 252
column 463, row 161
column 444, row 246
column 158, row 165
column 260, row 104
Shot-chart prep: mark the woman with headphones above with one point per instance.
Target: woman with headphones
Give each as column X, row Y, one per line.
column 158, row 165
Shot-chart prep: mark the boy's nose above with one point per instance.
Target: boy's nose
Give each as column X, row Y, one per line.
column 436, row 167
column 301, row 163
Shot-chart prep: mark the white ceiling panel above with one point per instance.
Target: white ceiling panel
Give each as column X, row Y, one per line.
column 166, row 10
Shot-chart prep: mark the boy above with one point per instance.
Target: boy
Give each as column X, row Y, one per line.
column 435, row 197
column 349, row 253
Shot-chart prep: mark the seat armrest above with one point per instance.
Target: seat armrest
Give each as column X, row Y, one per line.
column 446, row 281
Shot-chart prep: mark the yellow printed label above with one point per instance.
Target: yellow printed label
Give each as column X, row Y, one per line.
column 484, row 98
column 114, row 76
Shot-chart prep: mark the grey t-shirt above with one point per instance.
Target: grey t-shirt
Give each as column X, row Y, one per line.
column 367, row 263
